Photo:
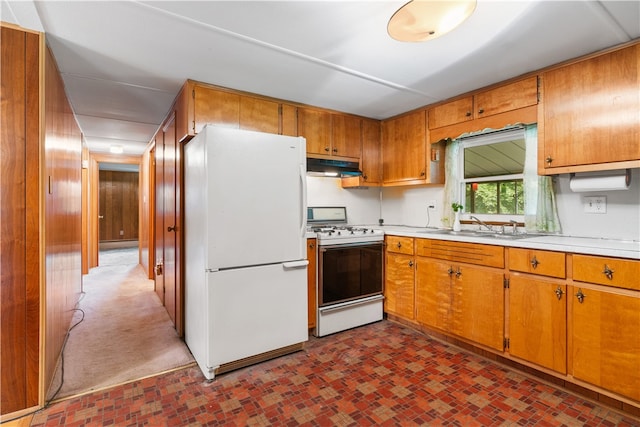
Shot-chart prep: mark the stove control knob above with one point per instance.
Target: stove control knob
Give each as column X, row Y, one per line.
column 351, row 231
column 339, row 233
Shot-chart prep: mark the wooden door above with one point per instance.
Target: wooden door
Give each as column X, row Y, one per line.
column 370, row 160
column 346, row 140
column 404, row 148
column 433, row 293
column 215, row 106
column 315, row 126
column 170, row 247
column 259, row 115
column 605, row 338
column 478, row 305
column 451, row 113
column 289, row 120
column 512, row 96
column 537, row 321
column 311, row 282
column 118, row 205
column 159, row 215
column 399, row 285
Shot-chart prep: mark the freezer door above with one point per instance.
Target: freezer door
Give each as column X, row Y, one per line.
column 256, row 199
column 255, row 310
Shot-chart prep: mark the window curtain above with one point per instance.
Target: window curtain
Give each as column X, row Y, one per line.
column 540, row 209
column 451, row 182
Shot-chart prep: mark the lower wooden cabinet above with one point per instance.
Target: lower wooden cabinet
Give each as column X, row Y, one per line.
column 399, row 294
column 538, row 321
column 606, row 338
column 312, row 282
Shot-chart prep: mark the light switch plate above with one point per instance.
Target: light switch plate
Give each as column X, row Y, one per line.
column 595, row 204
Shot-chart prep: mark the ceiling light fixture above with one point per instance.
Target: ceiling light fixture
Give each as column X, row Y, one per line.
column 421, row 20
column 116, row 149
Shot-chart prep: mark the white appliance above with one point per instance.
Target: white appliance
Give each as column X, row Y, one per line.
column 245, row 247
column 350, row 271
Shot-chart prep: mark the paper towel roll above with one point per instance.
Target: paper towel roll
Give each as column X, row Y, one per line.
column 581, row 184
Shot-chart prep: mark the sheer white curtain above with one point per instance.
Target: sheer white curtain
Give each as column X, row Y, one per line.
column 451, row 182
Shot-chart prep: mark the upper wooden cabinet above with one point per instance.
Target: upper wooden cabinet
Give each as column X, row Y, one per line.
column 509, row 97
column 260, row 115
column 370, row 159
column 330, row 134
column 407, row 158
column 289, row 120
column 590, row 114
column 214, row 106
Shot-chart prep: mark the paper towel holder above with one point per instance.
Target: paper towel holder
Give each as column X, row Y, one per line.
column 600, row 181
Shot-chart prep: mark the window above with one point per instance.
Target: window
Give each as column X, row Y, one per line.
column 492, row 174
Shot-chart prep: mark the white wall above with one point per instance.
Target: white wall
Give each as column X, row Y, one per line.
column 408, row 206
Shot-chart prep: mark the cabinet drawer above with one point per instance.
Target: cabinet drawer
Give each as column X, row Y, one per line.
column 621, row 273
column 471, row 253
column 544, row 263
column 400, row 245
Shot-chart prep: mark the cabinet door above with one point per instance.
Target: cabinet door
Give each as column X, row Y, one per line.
column 451, row 113
column 591, row 111
column 259, row 115
column 346, row 136
column 404, row 148
column 534, row 261
column 311, row 282
column 399, row 244
column 433, row 293
column 370, row 160
column 216, row 107
column 315, row 126
column 605, row 339
column 537, row 321
column 399, row 285
column 512, row 96
column 478, row 305
column 289, row 120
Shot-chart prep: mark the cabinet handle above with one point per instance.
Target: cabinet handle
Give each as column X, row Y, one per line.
column 422, row 173
column 335, row 150
column 172, row 228
column 468, row 114
column 480, row 111
column 450, row 271
column 458, row 273
column 312, row 246
column 326, row 149
column 534, row 262
column 410, row 263
column 399, row 245
column 608, row 272
column 559, row 292
column 549, row 159
column 580, row 296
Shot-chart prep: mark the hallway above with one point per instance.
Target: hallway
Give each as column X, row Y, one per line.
column 123, row 332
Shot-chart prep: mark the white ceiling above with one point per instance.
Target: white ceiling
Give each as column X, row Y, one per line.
column 123, row 62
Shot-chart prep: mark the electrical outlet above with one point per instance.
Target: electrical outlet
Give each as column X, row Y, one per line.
column 595, row 204
column 432, row 204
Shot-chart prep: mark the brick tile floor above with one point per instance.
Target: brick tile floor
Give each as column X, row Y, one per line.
column 382, row 374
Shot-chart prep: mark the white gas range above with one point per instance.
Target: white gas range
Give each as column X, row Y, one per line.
column 350, row 271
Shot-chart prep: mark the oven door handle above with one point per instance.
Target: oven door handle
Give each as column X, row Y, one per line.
column 349, row 304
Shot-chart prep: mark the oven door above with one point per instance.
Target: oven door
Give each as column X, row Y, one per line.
column 348, row 272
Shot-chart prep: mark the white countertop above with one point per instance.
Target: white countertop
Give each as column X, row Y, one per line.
column 579, row 245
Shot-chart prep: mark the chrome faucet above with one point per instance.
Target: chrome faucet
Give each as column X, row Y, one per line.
column 515, row 226
column 481, row 223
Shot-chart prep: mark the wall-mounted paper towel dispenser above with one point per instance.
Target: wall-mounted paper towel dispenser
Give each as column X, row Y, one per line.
column 600, row 181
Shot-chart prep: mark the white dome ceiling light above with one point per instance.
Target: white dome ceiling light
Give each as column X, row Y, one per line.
column 421, row 20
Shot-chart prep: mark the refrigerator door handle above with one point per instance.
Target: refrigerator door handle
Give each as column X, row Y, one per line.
column 295, row 264
column 303, row 202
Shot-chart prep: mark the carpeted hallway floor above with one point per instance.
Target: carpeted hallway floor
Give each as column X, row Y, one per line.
column 382, row 374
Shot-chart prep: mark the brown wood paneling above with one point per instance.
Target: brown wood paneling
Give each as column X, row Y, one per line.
column 118, row 205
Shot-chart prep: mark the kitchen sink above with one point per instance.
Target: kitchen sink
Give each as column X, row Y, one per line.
column 471, row 233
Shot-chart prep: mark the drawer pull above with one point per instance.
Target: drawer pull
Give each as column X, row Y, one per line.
column 450, row 271
column 410, row 263
column 559, row 292
column 534, row 262
column 608, row 272
column 458, row 273
column 580, row 296
column 399, row 245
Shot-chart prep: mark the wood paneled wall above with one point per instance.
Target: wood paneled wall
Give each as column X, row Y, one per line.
column 63, row 214
column 21, row 217
column 147, row 213
column 118, row 205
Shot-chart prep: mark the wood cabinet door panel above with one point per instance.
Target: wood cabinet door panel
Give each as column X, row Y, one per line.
column 544, row 263
column 216, row 107
column 259, row 115
column 451, row 113
column 315, row 126
column 346, row 136
column 404, row 148
column 522, row 93
column 433, row 294
column 537, row 321
column 605, row 341
column 401, row 245
column 311, row 282
column 478, row 305
column 289, row 120
column 399, row 285
column 592, row 111
column 621, row 273
column 370, row 160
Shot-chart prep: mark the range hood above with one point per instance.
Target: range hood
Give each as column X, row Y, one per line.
column 332, row 167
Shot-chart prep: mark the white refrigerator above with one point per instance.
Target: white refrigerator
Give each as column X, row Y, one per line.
column 245, row 247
